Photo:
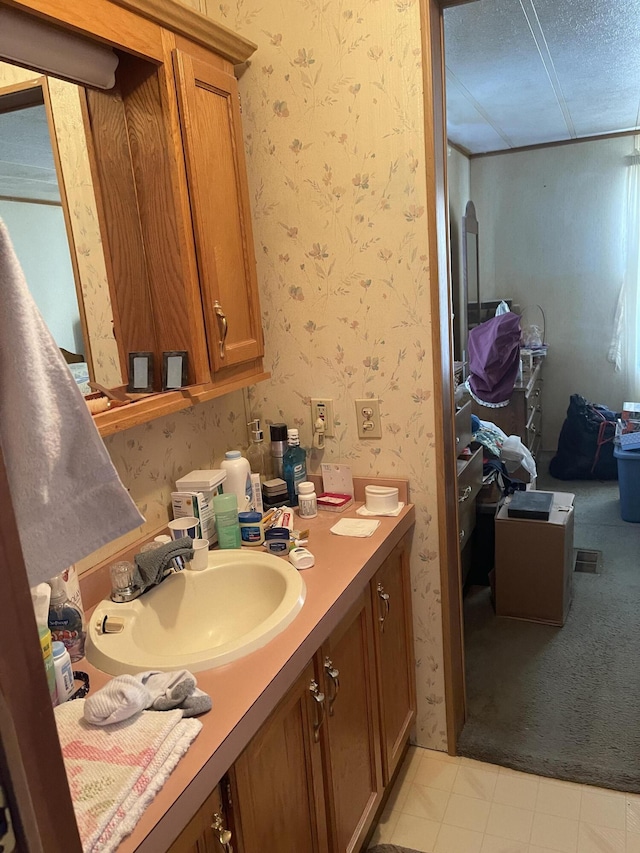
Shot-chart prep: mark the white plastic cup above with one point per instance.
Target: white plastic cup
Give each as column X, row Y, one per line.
column 200, row 559
column 187, row 526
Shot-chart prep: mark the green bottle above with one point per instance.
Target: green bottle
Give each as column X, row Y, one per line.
column 225, row 508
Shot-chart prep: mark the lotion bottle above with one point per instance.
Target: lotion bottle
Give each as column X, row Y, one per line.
column 238, row 481
column 66, row 622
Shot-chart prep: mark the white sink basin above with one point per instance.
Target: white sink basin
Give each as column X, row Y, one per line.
column 199, row 620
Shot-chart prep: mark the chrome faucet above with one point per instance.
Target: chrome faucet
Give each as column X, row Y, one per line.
column 123, row 585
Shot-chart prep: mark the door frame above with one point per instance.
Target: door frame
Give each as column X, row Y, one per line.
column 435, row 142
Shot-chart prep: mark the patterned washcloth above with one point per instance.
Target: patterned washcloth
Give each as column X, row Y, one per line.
column 115, row 771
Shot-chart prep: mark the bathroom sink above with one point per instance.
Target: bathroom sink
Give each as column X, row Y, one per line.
column 199, row 620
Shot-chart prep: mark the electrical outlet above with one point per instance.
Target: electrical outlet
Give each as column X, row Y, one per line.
column 322, row 407
column 368, row 417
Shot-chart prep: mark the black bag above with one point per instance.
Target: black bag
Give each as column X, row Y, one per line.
column 585, row 446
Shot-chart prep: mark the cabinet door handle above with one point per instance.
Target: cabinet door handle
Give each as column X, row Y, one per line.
column 465, row 494
column 462, row 535
column 333, row 674
column 222, row 323
column 222, row 833
column 384, row 597
column 318, row 698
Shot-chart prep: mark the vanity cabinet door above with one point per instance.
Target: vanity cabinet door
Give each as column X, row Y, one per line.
column 391, row 596
column 352, row 735
column 277, row 781
column 216, row 173
column 207, row 831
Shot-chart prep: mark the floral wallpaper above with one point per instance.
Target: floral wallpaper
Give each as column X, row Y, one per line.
column 332, row 112
column 83, row 218
column 333, row 120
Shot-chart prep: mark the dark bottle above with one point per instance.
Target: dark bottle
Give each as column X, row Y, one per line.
column 278, row 447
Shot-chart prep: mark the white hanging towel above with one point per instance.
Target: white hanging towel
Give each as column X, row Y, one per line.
column 67, row 496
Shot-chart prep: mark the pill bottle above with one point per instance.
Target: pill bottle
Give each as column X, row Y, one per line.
column 251, row 528
column 307, row 500
column 225, row 508
column 64, row 673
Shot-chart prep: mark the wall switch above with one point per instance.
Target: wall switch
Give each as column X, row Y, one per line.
column 322, row 407
column 368, row 417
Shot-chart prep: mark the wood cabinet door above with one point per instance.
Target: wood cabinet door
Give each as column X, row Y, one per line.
column 216, row 173
column 278, row 788
column 391, row 595
column 205, row 832
column 352, row 737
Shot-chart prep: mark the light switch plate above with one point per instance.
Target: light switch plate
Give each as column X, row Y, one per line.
column 368, row 417
column 322, row 407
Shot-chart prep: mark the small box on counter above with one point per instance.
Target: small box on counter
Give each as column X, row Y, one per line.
column 334, row 502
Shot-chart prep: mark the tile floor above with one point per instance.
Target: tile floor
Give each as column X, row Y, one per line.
column 441, row 804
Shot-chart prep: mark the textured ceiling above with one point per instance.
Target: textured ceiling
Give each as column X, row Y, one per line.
column 527, row 72
column 27, row 170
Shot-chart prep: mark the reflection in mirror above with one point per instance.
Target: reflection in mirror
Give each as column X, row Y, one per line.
column 48, row 204
column 470, row 272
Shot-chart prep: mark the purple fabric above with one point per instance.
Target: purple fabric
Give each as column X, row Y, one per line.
column 494, row 358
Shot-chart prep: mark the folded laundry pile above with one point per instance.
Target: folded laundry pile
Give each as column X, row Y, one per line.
column 115, row 771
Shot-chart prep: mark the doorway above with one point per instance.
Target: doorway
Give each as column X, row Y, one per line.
column 521, row 218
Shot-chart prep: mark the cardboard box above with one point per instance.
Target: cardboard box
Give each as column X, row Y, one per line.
column 534, row 564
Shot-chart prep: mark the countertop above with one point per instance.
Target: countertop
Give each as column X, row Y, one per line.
column 246, row 691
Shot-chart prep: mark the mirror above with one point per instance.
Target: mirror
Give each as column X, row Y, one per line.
column 470, row 272
column 46, row 190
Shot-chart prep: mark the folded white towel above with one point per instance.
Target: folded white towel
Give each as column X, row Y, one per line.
column 66, row 494
column 115, row 772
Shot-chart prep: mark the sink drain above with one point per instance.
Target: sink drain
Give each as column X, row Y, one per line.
column 587, row 561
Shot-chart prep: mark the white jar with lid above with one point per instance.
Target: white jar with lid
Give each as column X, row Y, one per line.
column 307, row 500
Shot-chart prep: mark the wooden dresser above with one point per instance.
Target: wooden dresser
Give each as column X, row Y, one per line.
column 469, row 470
column 523, row 415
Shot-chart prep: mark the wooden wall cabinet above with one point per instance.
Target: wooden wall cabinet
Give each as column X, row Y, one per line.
column 311, row 780
column 168, row 161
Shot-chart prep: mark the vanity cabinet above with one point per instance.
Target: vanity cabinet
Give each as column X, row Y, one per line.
column 312, row 779
column 207, row 831
column 351, row 730
column 278, row 780
column 395, row 660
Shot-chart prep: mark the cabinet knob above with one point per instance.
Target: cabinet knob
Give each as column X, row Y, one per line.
column 333, row 674
column 223, row 325
column 465, row 494
column 318, row 698
column 221, row 832
column 384, row 597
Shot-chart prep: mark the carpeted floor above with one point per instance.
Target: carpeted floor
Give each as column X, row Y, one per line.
column 564, row 702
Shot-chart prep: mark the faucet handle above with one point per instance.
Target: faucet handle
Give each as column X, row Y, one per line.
column 122, row 577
